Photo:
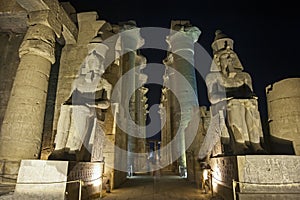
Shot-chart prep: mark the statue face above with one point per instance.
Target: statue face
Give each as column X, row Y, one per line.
column 93, row 64
column 229, row 61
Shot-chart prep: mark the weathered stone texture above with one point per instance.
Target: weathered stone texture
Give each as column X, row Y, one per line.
column 268, row 170
column 193, row 165
column 12, row 17
column 181, row 57
column 20, row 128
column 88, row 26
column 38, row 171
column 9, row 61
column 51, row 14
column 39, row 40
column 256, row 174
column 47, row 18
column 33, row 5
column 72, row 57
column 9, row 171
column 284, row 111
column 70, row 10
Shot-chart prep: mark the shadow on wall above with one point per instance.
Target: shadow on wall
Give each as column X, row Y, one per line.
column 281, row 146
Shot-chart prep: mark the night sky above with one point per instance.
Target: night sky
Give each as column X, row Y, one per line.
column 266, row 35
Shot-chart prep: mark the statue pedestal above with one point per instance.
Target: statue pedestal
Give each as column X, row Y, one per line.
column 41, row 179
column 256, row 176
column 50, row 179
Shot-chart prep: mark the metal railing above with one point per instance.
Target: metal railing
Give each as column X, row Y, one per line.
column 81, row 182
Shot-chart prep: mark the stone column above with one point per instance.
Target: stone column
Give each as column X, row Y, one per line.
column 166, row 132
column 140, row 120
column 130, row 40
column 22, row 127
column 283, row 100
column 181, row 43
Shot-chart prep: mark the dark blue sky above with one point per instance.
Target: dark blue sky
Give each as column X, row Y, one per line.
column 266, row 35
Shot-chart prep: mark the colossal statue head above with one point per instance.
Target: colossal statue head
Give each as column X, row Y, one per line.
column 225, row 60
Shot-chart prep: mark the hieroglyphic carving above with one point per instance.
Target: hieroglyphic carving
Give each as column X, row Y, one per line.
column 86, row 171
column 274, row 173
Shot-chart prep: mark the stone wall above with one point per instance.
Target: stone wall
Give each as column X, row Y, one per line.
column 194, row 172
column 283, row 99
column 256, row 176
column 12, row 17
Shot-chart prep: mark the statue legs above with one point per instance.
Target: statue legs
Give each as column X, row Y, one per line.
column 254, row 125
column 244, row 125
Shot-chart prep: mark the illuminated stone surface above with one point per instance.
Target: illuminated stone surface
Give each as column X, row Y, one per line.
column 52, row 176
column 91, row 174
column 283, row 99
column 234, row 104
column 12, row 17
column 23, row 129
column 181, row 57
column 194, row 171
column 258, row 176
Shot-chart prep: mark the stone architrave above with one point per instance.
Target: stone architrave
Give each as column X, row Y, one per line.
column 41, row 179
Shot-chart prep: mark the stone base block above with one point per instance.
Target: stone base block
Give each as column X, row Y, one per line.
column 263, row 175
column 268, row 196
column 90, row 173
column 57, row 180
column 41, row 179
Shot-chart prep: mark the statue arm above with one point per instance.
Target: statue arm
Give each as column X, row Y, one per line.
column 216, row 93
column 105, row 85
column 104, row 104
column 248, row 82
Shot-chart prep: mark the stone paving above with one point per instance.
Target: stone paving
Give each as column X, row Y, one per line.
column 152, row 187
column 162, row 188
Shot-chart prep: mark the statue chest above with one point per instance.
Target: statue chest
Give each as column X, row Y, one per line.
column 235, row 81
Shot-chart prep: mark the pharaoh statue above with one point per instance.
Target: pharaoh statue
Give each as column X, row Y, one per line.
column 234, row 104
column 86, row 106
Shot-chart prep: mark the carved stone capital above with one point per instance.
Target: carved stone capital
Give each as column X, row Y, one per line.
column 46, row 18
column 39, row 40
column 51, row 14
column 131, row 39
column 183, row 39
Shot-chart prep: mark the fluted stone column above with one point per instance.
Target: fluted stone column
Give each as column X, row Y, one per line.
column 22, row 127
column 181, row 43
